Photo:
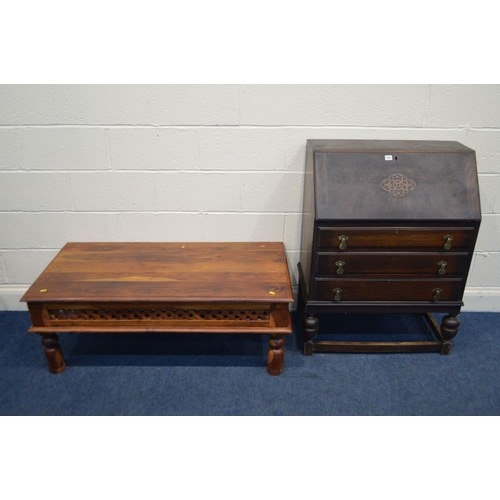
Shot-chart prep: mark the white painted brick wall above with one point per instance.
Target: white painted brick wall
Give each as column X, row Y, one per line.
column 113, row 191
column 10, row 159
column 209, row 163
column 67, row 148
column 34, row 191
column 153, row 148
column 27, row 104
column 18, row 230
column 197, row 191
column 24, row 266
column 3, row 275
column 287, row 104
column 463, row 106
column 163, row 226
column 243, row 227
column 101, row 104
column 394, row 106
column 193, row 104
column 233, row 148
column 55, row 229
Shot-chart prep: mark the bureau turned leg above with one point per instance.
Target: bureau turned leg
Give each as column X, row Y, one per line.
column 276, row 354
column 53, row 353
column 310, row 326
column 449, row 328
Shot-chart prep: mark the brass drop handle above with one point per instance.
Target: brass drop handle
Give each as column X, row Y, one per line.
column 437, row 294
column 448, row 240
column 343, row 238
column 442, row 269
column 337, row 291
column 340, row 266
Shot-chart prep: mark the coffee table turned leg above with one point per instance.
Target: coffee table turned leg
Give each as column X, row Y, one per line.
column 53, row 353
column 275, row 354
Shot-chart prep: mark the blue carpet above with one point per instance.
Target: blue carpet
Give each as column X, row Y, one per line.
column 226, row 375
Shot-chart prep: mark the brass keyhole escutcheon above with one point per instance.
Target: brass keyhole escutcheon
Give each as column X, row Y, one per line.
column 437, row 294
column 343, row 238
column 448, row 240
column 442, row 269
column 337, row 297
column 340, row 266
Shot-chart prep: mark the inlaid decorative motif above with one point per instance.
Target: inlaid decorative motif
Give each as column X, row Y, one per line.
column 160, row 314
column 398, row 185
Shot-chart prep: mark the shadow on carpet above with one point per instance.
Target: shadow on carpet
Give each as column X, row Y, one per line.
column 187, row 374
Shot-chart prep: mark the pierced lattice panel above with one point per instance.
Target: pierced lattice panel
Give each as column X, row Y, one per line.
column 158, row 314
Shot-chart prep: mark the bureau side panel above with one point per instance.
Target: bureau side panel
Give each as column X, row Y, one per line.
column 471, row 253
column 308, row 216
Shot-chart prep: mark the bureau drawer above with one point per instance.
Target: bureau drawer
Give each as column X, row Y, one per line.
column 429, row 290
column 349, row 238
column 432, row 263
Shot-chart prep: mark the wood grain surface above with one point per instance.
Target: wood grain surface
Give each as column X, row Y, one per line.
column 165, row 272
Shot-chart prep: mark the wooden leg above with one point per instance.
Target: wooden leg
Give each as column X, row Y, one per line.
column 53, row 353
column 449, row 328
column 309, row 329
column 445, row 348
column 275, row 354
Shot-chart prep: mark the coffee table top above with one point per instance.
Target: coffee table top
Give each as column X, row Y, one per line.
column 165, row 272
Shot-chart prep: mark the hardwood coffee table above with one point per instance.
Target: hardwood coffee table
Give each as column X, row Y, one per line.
column 163, row 287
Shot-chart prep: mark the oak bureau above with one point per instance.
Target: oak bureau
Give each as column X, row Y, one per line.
column 388, row 227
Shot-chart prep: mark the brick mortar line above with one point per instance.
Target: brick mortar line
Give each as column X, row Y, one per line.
column 461, row 128
column 128, row 171
column 153, row 212
column 43, row 249
column 193, row 172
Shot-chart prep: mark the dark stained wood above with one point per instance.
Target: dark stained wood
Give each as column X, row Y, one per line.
column 397, row 263
column 377, row 146
column 310, row 329
column 308, row 213
column 387, row 290
column 380, row 218
column 396, row 237
column 439, row 345
column 423, row 346
column 348, row 186
column 163, row 287
column 449, row 327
